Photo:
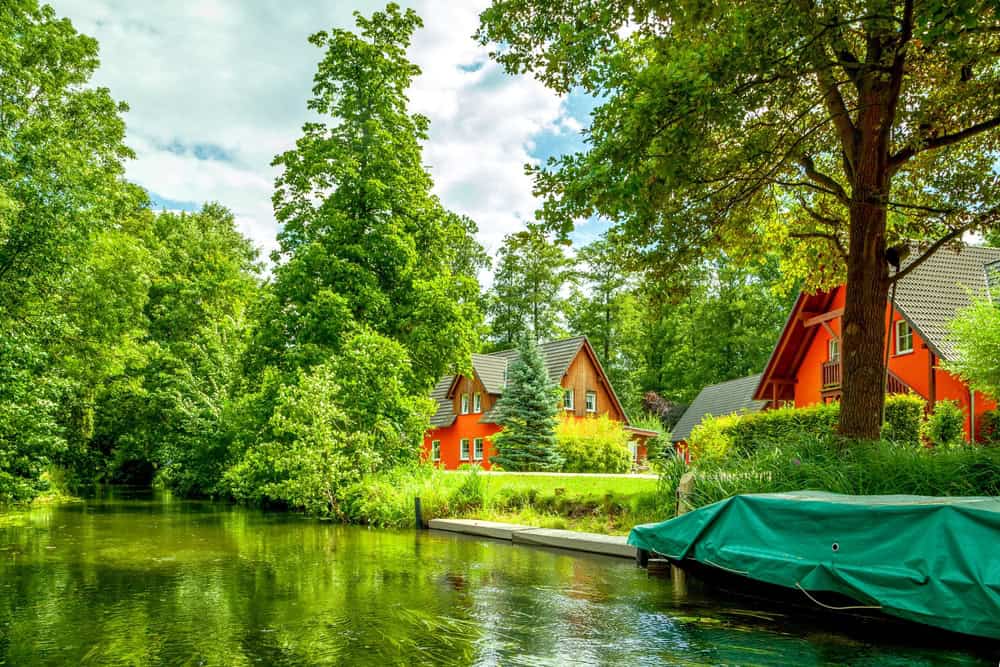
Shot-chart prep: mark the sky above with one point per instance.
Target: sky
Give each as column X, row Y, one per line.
column 217, row 88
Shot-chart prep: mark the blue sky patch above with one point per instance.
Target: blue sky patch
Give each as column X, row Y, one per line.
column 159, row 202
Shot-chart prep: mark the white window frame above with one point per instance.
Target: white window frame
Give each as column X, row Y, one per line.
column 571, row 395
column 900, row 336
column 591, row 404
column 464, row 409
column 478, row 449
column 463, row 449
column 477, row 402
column 435, row 450
column 833, row 349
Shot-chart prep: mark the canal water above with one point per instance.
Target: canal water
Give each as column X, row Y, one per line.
column 147, row 580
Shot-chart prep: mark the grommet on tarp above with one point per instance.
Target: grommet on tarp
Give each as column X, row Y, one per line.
column 836, row 546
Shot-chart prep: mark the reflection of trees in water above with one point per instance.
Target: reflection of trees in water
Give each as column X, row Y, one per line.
column 152, row 582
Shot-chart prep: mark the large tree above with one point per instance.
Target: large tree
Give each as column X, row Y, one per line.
column 838, row 129
column 526, row 295
column 364, row 243
column 61, row 188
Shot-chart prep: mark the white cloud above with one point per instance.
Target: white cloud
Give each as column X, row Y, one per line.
column 236, row 75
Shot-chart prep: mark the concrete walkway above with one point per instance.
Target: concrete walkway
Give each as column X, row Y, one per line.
column 607, row 545
column 585, row 475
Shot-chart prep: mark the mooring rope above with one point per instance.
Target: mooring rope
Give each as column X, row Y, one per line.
column 826, row 606
column 727, row 569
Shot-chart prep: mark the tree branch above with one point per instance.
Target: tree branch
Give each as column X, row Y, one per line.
column 950, row 236
column 827, row 182
column 897, row 160
column 832, row 238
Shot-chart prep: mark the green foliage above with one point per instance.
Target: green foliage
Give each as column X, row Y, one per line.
column 720, row 438
column 863, row 468
column 989, row 428
column 723, row 326
column 742, row 126
column 904, row 417
column 975, row 334
column 525, row 297
column 945, row 427
column 364, row 243
column 593, row 444
column 527, row 414
column 61, row 195
column 659, row 449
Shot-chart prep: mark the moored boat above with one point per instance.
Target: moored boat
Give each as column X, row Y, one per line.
column 928, row 560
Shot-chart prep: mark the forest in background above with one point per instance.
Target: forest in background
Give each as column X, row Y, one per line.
column 143, row 346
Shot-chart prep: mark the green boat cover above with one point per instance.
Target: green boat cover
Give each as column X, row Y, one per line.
column 930, row 560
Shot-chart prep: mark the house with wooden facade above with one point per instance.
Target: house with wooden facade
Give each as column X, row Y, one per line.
column 805, row 366
column 462, row 426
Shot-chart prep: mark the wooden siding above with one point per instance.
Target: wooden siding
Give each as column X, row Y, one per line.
column 582, row 376
column 470, row 386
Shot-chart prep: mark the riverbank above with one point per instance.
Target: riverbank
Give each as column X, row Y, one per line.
column 606, row 504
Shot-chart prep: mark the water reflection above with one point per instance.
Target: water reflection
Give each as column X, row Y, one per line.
column 147, row 580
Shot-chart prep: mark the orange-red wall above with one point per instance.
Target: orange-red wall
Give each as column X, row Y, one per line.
column 912, row 368
column 465, row 426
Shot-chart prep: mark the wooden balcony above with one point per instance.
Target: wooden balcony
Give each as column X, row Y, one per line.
column 833, row 374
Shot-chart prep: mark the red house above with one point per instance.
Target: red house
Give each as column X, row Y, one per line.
column 463, row 424
column 805, row 366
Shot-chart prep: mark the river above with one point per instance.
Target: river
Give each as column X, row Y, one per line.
column 143, row 579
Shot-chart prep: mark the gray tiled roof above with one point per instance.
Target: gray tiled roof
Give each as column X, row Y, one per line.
column 935, row 291
column 557, row 355
column 717, row 400
column 445, row 415
column 491, row 370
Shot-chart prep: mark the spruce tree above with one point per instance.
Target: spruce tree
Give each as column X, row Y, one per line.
column 527, row 412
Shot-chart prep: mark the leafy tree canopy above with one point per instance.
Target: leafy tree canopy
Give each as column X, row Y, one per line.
column 833, row 130
column 364, row 243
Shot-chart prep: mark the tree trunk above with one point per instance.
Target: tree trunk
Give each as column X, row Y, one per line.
column 864, row 325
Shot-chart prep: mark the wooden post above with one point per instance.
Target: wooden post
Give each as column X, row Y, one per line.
column 641, row 557
column 685, row 489
column 418, row 513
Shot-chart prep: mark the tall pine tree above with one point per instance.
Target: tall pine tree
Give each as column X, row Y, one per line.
column 527, row 412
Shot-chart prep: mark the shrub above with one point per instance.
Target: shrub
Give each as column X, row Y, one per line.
column 904, row 417
column 712, row 438
column 765, row 429
column 658, row 448
column 945, row 426
column 593, row 444
column 989, row 428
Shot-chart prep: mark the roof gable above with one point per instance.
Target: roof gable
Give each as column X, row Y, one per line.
column 932, row 295
column 721, row 399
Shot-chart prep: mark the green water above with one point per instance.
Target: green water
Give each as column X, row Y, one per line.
column 146, row 580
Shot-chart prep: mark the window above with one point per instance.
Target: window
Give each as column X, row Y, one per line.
column 464, row 453
column 435, row 450
column 591, row 401
column 465, row 404
column 567, row 399
column 477, row 453
column 904, row 337
column 633, row 450
column 477, row 402
column 833, row 349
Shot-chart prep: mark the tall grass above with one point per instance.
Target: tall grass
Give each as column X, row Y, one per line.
column 607, row 505
column 860, row 468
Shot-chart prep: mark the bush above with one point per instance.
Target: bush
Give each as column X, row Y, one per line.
column 593, row 444
column 741, row 434
column 989, row 428
column 904, row 416
column 945, row 426
column 658, row 448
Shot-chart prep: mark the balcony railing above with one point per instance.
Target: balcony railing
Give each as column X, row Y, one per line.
column 831, row 374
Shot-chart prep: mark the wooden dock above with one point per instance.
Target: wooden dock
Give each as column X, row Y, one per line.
column 607, row 545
